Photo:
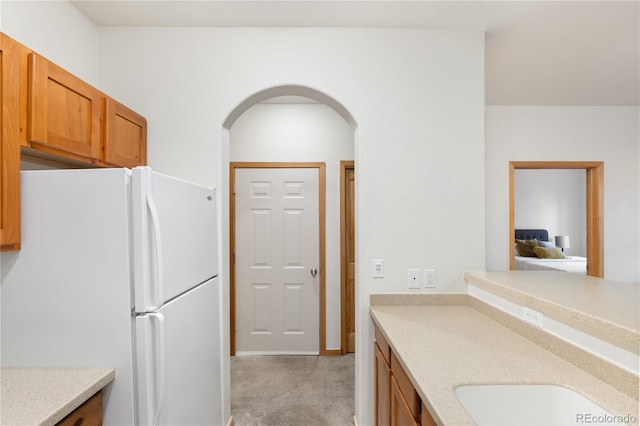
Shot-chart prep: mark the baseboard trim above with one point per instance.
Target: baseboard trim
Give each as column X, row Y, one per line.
column 274, row 353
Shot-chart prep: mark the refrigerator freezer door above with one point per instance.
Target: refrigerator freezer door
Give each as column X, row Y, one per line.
column 178, row 350
column 174, row 237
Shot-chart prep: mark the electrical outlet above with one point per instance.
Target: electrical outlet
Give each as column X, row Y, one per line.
column 532, row 316
column 413, row 278
column 429, row 277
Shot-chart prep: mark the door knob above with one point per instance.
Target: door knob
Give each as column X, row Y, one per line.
column 314, row 272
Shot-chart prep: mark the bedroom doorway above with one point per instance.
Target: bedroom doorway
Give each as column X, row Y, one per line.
column 594, row 208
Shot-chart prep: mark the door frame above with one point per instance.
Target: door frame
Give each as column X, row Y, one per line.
column 345, row 166
column 595, row 208
column 321, row 239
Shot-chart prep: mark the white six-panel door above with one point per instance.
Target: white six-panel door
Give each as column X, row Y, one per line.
column 277, row 246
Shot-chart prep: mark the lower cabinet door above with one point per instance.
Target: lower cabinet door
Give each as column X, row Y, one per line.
column 382, row 389
column 426, row 419
column 88, row 414
column 400, row 412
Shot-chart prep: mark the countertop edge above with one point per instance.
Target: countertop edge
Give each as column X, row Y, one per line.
column 548, row 306
column 25, row 390
column 80, row 399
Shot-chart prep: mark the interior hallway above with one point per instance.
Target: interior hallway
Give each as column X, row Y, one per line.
column 293, row 390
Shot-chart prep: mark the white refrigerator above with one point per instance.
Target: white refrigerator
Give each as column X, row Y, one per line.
column 119, row 268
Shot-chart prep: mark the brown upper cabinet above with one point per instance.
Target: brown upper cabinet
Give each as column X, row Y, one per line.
column 48, row 113
column 10, row 144
column 125, row 136
column 63, row 112
column 69, row 118
column 64, row 119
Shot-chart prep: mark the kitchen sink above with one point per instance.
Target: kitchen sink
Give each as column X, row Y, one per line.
column 512, row 404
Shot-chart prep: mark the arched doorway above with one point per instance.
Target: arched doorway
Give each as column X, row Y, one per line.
column 329, row 315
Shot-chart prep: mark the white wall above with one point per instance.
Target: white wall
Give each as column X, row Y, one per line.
column 609, row 134
column 300, row 133
column 554, row 200
column 57, row 31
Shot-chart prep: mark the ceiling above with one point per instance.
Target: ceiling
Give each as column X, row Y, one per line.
column 537, row 52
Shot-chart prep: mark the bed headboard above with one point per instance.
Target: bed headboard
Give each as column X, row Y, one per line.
column 530, row 234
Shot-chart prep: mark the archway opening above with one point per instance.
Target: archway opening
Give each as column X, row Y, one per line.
column 289, row 90
column 242, row 128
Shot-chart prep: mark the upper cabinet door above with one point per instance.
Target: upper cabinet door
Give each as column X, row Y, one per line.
column 9, row 144
column 64, row 112
column 125, row 143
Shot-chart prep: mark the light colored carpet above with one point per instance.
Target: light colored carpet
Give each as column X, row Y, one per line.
column 293, row 390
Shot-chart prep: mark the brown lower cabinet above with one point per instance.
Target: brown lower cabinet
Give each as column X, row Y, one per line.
column 88, row 414
column 396, row 401
column 401, row 414
column 382, row 388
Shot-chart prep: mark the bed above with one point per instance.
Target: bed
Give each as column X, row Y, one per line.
column 532, row 262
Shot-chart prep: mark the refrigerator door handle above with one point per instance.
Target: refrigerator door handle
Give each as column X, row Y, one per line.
column 159, row 371
column 155, row 223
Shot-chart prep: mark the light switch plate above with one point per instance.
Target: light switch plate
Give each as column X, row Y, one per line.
column 377, row 268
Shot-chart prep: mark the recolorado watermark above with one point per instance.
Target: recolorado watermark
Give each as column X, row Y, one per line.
column 604, row 419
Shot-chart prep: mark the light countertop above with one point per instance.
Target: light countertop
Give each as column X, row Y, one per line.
column 44, row 396
column 609, row 307
column 446, row 343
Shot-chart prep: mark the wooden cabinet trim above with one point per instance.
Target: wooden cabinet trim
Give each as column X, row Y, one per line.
column 382, row 388
column 10, row 70
column 401, row 413
column 409, row 392
column 426, row 419
column 87, row 414
column 383, row 344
